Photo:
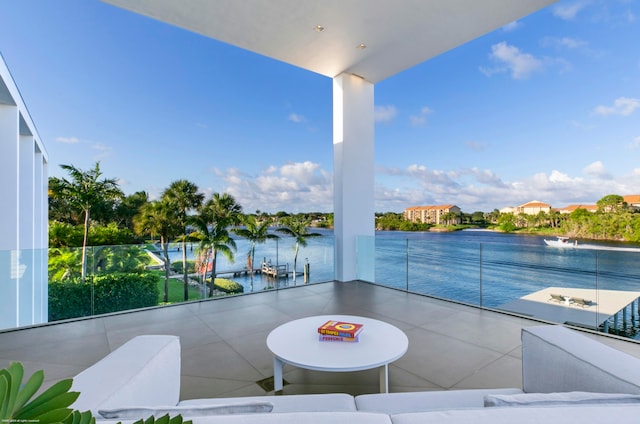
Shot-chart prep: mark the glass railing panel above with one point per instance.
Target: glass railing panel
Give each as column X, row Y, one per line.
column 592, row 287
column 618, row 281
column 445, row 270
column 23, row 289
column 366, row 258
column 390, row 262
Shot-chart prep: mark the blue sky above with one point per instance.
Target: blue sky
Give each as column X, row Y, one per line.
column 546, row 108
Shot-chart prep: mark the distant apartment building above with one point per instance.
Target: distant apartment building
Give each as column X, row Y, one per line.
column 530, row 208
column 433, row 214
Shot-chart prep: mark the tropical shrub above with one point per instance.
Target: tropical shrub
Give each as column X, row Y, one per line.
column 72, row 298
column 227, row 286
column 177, row 267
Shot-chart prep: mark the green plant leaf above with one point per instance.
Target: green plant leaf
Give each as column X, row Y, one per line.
column 4, row 399
column 54, row 416
column 28, row 390
column 59, row 401
column 17, row 372
column 49, row 399
column 77, row 417
column 165, row 419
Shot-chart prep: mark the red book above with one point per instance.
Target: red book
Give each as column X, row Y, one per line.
column 326, row 338
column 340, row 329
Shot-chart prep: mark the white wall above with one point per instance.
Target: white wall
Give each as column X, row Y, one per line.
column 23, row 212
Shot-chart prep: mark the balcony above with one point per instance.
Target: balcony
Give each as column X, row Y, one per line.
column 451, row 345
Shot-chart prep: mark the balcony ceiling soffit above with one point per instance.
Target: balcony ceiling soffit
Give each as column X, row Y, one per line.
column 397, row 34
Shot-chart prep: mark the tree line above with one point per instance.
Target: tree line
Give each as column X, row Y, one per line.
column 614, row 219
column 86, row 209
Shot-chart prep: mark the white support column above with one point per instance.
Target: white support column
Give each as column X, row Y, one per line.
column 26, row 224
column 353, row 169
column 8, row 215
column 41, row 237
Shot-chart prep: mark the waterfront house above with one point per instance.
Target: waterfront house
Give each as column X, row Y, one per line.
column 533, row 208
column 570, row 208
column 632, row 200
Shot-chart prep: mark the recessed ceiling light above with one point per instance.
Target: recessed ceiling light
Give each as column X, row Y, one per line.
column 318, row 28
column 361, row 46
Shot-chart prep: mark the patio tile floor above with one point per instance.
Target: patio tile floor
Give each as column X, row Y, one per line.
column 224, row 354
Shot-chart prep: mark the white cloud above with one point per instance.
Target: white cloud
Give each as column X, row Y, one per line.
column 306, row 186
column 104, row 151
column 569, row 11
column 559, row 177
column 635, row 144
column 624, row 106
column 293, row 187
column 68, row 140
column 563, row 43
column 511, row 59
column 297, row 118
column 512, row 26
column 420, row 118
column 385, row 114
column 482, row 189
column 476, row 146
column 597, row 170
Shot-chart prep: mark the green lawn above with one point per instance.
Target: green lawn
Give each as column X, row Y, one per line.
column 176, row 289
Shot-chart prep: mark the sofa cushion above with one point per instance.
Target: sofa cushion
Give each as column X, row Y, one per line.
column 330, row 402
column 143, row 371
column 555, row 399
column 556, row 359
column 191, row 411
column 395, row 403
column 583, row 414
column 290, row 418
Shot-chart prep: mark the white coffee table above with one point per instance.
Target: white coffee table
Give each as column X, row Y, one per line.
column 296, row 343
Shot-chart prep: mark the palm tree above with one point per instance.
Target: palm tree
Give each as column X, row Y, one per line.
column 255, row 232
column 85, row 190
column 211, row 224
column 184, row 196
column 159, row 218
column 297, row 228
column 225, row 209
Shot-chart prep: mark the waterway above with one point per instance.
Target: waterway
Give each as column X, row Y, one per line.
column 455, row 265
column 481, row 268
column 490, row 269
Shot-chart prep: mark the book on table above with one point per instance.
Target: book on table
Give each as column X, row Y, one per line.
column 340, row 329
column 326, row 338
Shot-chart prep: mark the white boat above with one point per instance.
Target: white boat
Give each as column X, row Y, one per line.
column 561, row 242
column 564, row 242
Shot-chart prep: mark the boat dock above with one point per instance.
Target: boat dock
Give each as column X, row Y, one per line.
column 275, row 271
column 587, row 308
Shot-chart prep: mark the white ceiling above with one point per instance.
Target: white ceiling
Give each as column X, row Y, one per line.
column 398, row 34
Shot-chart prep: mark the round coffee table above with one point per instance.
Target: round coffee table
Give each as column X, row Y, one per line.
column 296, row 343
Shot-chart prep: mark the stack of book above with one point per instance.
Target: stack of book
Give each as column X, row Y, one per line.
column 338, row 331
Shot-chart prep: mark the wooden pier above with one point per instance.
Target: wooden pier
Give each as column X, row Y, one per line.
column 275, row 271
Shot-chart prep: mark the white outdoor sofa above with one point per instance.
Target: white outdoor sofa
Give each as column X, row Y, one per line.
column 567, row 378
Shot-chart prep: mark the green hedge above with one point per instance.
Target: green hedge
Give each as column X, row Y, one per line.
column 111, row 293
column 177, row 266
column 227, row 286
